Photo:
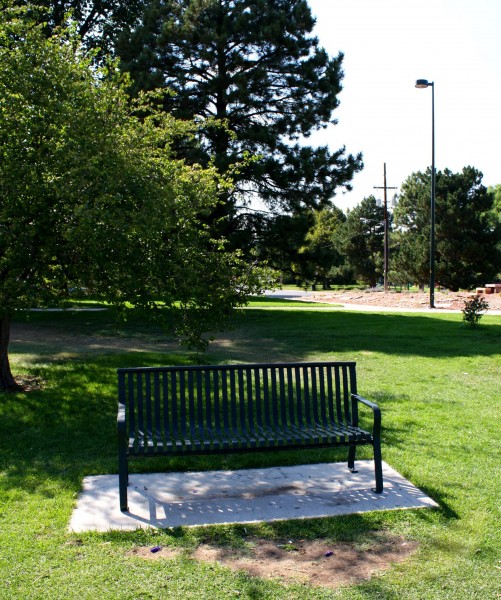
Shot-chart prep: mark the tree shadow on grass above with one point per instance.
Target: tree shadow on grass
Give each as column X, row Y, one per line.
column 275, row 335
column 67, row 430
column 262, row 336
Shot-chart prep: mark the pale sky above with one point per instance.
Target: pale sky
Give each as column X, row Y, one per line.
column 387, row 45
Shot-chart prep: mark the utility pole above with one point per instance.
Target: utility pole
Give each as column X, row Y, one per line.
column 386, row 227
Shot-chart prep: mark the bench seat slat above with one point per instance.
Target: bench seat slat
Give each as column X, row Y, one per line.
column 291, row 435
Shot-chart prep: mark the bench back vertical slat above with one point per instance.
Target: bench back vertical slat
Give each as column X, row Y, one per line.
column 241, row 401
column 303, row 394
column 337, row 393
column 199, row 403
column 140, row 412
column 188, row 420
column 226, row 406
column 203, row 407
column 258, row 374
column 307, row 391
column 167, row 407
column 266, row 396
column 233, row 399
column 346, row 396
column 298, row 405
column 157, row 424
column 249, row 400
column 280, row 400
column 173, row 405
column 217, row 398
column 197, row 390
column 331, row 412
column 181, row 404
column 353, row 390
column 274, row 396
column 148, row 413
column 322, row 372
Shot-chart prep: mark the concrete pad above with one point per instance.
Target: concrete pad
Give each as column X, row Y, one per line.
column 163, row 500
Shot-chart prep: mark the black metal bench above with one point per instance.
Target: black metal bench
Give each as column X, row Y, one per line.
column 240, row 408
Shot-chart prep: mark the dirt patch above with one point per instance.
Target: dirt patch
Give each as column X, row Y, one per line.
column 29, row 383
column 446, row 300
column 65, row 344
column 313, row 562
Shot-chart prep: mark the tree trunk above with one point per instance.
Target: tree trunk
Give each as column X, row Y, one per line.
column 7, row 381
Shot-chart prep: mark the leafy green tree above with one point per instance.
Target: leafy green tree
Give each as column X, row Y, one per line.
column 319, row 255
column 361, row 240
column 495, row 190
column 92, row 196
column 466, row 239
column 253, row 66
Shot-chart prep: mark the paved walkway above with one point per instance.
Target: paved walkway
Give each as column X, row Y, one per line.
column 162, row 500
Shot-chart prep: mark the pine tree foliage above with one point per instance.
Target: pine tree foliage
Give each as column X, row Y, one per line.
column 253, row 66
column 96, row 21
column 466, row 237
column 361, row 240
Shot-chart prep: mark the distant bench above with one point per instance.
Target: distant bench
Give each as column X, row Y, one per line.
column 187, row 410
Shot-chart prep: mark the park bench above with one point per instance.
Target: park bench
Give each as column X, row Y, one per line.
column 187, row 410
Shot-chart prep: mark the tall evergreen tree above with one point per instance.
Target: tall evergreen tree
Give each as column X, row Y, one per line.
column 495, row 219
column 466, row 238
column 320, row 256
column 361, row 240
column 411, row 261
column 253, row 66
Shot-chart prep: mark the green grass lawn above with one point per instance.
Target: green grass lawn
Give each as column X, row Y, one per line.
column 437, row 382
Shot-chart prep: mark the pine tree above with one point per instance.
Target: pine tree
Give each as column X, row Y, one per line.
column 253, row 66
column 361, row 240
column 466, row 240
column 320, row 256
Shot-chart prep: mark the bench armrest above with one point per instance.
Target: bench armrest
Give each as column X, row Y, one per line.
column 376, row 427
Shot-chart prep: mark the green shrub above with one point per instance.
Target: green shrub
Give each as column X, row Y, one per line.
column 473, row 309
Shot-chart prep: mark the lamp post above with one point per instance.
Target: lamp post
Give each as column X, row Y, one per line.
column 424, row 83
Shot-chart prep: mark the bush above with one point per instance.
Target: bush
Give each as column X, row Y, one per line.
column 473, row 309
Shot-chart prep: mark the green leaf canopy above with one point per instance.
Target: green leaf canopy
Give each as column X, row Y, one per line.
column 91, row 195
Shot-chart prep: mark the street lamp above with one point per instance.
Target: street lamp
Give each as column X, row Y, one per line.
column 424, row 83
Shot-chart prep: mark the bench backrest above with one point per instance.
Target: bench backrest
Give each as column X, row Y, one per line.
column 193, row 399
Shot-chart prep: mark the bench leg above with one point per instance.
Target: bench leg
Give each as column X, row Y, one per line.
column 123, row 481
column 378, row 467
column 351, row 458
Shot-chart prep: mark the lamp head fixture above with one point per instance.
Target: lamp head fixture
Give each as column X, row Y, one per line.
column 423, row 83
